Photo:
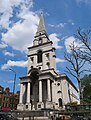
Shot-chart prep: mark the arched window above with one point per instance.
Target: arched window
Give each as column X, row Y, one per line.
column 40, row 41
column 60, row 102
column 39, row 56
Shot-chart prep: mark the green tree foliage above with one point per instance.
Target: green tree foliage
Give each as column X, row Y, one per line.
column 86, row 86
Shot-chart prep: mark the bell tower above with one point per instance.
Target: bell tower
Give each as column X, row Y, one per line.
column 41, row 55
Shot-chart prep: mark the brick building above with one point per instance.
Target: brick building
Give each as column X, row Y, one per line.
column 7, row 100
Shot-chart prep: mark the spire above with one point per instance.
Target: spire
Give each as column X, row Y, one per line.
column 41, row 26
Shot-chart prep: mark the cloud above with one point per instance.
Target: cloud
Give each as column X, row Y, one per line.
column 3, row 45
column 62, row 25
column 88, row 2
column 21, row 33
column 69, row 41
column 63, row 38
column 54, row 37
column 14, row 63
column 58, row 71
column 59, row 60
column 58, row 25
column 8, row 53
column 71, row 21
column 7, row 10
column 10, row 81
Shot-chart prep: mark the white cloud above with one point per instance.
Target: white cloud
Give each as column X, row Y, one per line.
column 69, row 41
column 21, row 34
column 8, row 53
column 63, row 38
column 7, row 7
column 71, row 21
column 58, row 71
column 88, row 2
column 59, row 60
column 10, row 81
column 14, row 63
column 3, row 45
column 47, row 14
column 58, row 25
column 54, row 37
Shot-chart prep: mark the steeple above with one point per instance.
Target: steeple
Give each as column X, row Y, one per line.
column 41, row 36
column 41, row 26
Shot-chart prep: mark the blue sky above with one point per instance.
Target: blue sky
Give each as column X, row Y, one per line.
column 18, row 23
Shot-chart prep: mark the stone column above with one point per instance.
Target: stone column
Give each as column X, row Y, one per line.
column 48, row 90
column 21, row 93
column 40, row 91
column 28, row 92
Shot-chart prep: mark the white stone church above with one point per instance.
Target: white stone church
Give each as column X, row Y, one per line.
column 43, row 87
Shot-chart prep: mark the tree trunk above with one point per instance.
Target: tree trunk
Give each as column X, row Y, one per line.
column 80, row 91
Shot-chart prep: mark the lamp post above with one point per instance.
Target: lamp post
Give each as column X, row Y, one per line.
column 13, row 87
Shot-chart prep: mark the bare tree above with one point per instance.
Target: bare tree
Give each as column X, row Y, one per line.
column 85, row 50
column 75, row 64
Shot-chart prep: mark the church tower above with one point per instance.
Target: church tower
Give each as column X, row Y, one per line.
column 41, row 55
column 43, row 88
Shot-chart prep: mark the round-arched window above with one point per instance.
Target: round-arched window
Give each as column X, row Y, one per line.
column 39, row 56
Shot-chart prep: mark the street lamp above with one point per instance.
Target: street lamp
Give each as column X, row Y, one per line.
column 13, row 87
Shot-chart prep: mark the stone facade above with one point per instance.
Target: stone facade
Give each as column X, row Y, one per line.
column 43, row 88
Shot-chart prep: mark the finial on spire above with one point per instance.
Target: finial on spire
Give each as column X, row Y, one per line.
column 41, row 26
column 41, row 13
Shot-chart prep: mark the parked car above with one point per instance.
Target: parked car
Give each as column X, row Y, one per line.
column 5, row 116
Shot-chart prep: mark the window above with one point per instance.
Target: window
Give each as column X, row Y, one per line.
column 40, row 40
column 39, row 56
column 58, row 84
column 31, row 67
column 39, row 33
column 60, row 102
column 39, row 68
column 59, row 91
column 32, row 59
column 48, row 65
column 47, row 55
column 26, row 106
column 39, row 106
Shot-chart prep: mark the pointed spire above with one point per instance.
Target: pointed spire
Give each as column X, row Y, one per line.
column 41, row 26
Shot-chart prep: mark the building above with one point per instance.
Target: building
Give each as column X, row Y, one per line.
column 43, row 87
column 7, row 100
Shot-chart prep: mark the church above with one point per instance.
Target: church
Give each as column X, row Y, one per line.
column 43, row 87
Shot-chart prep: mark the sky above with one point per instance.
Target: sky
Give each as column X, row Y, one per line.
column 18, row 24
